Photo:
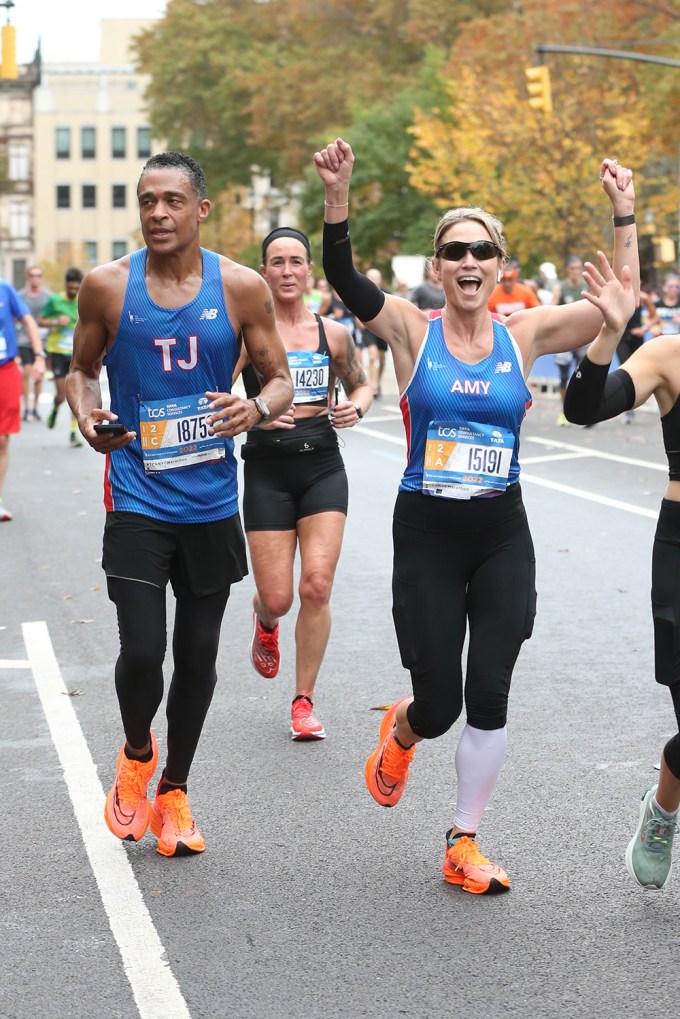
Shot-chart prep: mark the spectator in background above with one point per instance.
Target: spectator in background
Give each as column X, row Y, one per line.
column 547, row 278
column 59, row 317
column 566, row 291
column 509, row 295
column 430, row 293
column 13, row 308
column 35, row 297
column 666, row 319
column 375, row 346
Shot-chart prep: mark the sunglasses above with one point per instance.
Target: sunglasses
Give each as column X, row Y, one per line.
column 453, row 251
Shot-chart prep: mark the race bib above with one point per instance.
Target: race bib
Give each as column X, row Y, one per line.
column 310, row 373
column 466, row 459
column 174, row 433
column 65, row 341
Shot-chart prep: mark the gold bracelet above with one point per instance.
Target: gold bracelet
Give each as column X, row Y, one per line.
column 329, row 206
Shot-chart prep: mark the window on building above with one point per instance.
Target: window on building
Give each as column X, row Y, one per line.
column 19, row 220
column 64, row 249
column 119, row 249
column 63, row 196
column 118, row 142
column 89, row 196
column 143, row 142
column 118, row 196
column 19, row 160
column 90, row 251
column 88, row 142
column 19, row 266
column 63, row 142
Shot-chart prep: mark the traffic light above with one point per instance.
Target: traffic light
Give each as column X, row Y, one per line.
column 538, row 87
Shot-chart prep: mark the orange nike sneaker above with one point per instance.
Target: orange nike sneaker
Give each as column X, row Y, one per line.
column 265, row 656
column 303, row 722
column 464, row 865
column 173, row 825
column 127, row 809
column 387, row 768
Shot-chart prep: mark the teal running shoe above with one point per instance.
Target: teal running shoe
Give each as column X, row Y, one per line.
column 649, row 853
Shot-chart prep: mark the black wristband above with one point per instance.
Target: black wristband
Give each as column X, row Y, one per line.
column 623, row 220
column 359, row 411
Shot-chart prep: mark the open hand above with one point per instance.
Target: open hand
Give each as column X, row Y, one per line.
column 613, row 297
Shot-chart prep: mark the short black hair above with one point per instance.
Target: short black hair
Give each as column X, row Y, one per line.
column 185, row 164
column 74, row 275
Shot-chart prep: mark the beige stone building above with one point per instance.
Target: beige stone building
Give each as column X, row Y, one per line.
column 17, row 87
column 92, row 136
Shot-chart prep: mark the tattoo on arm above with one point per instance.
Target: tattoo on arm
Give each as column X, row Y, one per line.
column 261, row 360
column 349, row 368
column 269, row 306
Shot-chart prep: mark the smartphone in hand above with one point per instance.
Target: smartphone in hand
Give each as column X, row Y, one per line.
column 110, row 428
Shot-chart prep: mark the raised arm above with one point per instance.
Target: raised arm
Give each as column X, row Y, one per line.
column 593, row 393
column 550, row 329
column 394, row 319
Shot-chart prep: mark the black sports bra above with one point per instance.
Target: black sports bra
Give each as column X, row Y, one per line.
column 670, row 427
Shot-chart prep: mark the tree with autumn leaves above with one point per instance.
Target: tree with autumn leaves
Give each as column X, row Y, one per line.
column 432, row 96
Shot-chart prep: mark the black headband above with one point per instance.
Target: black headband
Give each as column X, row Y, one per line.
column 286, row 231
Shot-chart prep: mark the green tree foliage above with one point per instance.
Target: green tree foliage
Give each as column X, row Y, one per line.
column 432, row 96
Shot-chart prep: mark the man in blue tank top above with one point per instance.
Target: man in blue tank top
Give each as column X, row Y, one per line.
column 166, row 322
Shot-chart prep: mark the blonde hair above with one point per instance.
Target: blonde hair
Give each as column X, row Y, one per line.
column 493, row 226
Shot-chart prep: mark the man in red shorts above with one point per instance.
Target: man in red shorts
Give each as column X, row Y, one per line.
column 12, row 309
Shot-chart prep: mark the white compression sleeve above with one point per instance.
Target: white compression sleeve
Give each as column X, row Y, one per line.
column 479, row 759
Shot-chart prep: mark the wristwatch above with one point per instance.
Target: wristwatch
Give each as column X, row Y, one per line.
column 262, row 407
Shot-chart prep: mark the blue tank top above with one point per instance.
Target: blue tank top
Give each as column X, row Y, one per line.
column 161, row 357
column 442, row 388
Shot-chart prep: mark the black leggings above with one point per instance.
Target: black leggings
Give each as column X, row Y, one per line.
column 460, row 563
column 142, row 627
column 666, row 615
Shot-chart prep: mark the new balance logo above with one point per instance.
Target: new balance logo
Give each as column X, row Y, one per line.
column 503, row 366
column 209, row 313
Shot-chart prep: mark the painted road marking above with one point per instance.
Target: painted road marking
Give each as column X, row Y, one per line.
column 153, row 983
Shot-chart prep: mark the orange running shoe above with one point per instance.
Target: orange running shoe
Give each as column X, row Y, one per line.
column 127, row 809
column 264, row 649
column 303, row 722
column 464, row 865
column 387, row 768
column 173, row 825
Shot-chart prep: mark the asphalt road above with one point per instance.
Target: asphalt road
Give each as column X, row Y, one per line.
column 310, row 899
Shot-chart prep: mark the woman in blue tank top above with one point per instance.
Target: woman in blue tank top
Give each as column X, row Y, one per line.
column 463, row 555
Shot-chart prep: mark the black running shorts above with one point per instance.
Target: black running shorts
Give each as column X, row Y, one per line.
column 197, row 559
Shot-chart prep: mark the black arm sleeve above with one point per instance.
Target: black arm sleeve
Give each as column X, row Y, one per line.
column 593, row 394
column 363, row 298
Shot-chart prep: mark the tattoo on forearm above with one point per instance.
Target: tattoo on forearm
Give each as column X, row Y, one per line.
column 261, row 359
column 628, row 242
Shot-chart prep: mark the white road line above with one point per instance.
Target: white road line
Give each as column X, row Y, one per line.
column 579, row 452
column 589, row 496
column 596, row 453
column 153, row 984
column 19, row 663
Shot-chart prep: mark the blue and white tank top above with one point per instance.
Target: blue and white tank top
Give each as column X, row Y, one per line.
column 442, row 388
column 160, row 365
